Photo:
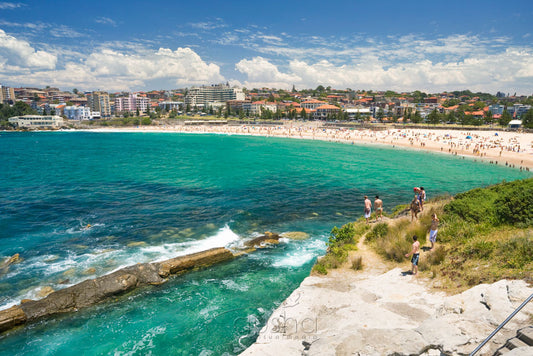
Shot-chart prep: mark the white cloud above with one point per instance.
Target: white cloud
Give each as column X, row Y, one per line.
column 63, row 31
column 105, row 21
column 127, row 68
column 10, row 5
column 512, row 68
column 19, row 53
column 261, row 72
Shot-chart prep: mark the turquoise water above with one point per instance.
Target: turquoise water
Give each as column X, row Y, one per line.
column 153, row 196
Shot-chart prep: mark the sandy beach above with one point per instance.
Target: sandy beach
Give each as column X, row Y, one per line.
column 500, row 147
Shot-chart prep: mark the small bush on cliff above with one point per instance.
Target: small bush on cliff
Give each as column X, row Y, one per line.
column 341, row 241
column 378, row 231
column 345, row 234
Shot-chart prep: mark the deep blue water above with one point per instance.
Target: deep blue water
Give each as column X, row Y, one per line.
column 153, row 196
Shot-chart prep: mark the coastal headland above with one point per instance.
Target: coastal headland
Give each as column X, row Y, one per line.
column 380, row 308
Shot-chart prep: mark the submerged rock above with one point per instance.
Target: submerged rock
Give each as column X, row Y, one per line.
column 296, row 235
column 4, row 266
column 267, row 238
column 44, row 291
column 137, row 243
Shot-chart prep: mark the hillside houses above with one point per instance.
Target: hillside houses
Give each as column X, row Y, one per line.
column 266, row 103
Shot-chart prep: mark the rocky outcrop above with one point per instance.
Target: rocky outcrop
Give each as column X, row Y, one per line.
column 9, row 318
column 4, row 266
column 389, row 314
column 182, row 264
column 267, row 238
column 93, row 291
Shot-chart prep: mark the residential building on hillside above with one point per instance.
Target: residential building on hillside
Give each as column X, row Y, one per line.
column 170, row 105
column 77, row 113
column 212, row 95
column 131, row 103
column 517, row 110
column 7, row 95
column 37, row 121
column 324, row 111
column 312, row 104
column 99, row 101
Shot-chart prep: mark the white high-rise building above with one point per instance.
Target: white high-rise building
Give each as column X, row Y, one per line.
column 212, row 95
column 78, row 113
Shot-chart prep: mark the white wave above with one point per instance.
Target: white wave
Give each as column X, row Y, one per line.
column 301, row 255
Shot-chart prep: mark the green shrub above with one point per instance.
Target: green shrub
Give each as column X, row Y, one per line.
column 345, row 234
column 378, row 231
column 504, row 203
column 514, row 205
column 474, row 206
column 320, row 268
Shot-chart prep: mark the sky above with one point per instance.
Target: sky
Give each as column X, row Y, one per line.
column 395, row 45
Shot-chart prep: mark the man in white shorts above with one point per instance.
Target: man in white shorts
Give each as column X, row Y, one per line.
column 433, row 230
column 368, row 209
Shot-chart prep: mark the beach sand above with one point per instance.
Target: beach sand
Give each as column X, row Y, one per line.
column 500, row 147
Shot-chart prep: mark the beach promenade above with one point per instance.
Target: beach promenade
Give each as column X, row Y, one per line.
column 500, row 147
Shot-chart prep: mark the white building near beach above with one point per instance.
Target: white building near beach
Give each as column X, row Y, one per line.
column 37, row 121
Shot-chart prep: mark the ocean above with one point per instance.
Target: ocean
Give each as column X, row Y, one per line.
column 153, row 196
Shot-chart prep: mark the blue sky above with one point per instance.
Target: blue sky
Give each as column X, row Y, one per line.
column 140, row 45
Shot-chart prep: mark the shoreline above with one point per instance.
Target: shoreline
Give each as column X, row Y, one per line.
column 512, row 149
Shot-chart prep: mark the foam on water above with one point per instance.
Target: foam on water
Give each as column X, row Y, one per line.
column 301, row 254
column 141, row 346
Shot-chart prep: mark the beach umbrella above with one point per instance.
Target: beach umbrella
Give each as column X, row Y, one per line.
column 469, row 137
column 496, row 134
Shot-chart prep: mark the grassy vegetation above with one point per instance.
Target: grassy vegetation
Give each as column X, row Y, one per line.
column 341, row 241
column 485, row 234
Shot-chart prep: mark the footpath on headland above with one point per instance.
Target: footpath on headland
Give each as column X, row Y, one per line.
column 384, row 310
column 495, row 146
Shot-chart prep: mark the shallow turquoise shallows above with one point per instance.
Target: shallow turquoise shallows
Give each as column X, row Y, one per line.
column 153, row 196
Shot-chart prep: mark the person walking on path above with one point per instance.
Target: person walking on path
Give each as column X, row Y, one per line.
column 415, row 208
column 433, row 230
column 368, row 209
column 378, row 207
column 415, row 252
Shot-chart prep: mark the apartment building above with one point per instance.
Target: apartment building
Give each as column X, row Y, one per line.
column 212, row 95
column 77, row 113
column 7, row 95
column 99, row 101
column 324, row 111
column 312, row 104
column 131, row 103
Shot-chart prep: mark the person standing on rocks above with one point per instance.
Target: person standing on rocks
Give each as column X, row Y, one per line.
column 368, row 209
column 415, row 252
column 378, row 207
column 433, row 230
